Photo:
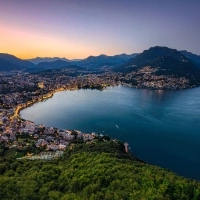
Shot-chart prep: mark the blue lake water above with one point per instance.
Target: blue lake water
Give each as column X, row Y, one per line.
column 162, row 127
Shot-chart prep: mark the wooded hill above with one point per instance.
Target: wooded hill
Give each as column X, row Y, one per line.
column 96, row 171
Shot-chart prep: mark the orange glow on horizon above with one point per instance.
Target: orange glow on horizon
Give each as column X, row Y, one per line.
column 27, row 44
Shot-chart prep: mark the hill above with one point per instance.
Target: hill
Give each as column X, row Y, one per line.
column 53, row 65
column 100, row 170
column 17, row 62
column 7, row 66
column 92, row 62
column 151, row 55
column 195, row 58
column 38, row 60
column 161, row 64
column 96, row 62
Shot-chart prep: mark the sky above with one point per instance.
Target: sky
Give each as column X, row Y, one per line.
column 80, row 28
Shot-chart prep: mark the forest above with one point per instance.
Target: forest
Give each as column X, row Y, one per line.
column 92, row 171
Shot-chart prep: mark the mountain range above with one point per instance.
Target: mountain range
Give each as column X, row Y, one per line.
column 168, row 61
column 38, row 60
column 96, row 62
column 9, row 62
column 92, row 62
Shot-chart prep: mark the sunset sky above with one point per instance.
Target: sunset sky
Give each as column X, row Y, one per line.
column 79, row 28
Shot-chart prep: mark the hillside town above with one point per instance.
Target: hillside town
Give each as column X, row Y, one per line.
column 27, row 140
column 146, row 77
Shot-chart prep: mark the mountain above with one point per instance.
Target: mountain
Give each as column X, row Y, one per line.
column 92, row 62
column 168, row 65
column 96, row 62
column 9, row 62
column 53, row 65
column 98, row 170
column 38, row 60
column 126, row 56
column 22, row 64
column 191, row 56
column 7, row 66
column 158, row 57
column 152, row 54
column 160, row 68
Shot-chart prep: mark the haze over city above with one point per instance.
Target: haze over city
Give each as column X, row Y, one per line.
column 80, row 28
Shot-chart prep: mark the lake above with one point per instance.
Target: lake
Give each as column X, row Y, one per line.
column 162, row 127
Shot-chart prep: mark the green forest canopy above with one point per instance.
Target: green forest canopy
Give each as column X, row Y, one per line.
column 92, row 172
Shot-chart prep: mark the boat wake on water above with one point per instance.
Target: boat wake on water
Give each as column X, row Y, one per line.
column 120, row 130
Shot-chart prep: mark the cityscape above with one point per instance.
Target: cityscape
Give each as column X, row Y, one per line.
column 21, row 89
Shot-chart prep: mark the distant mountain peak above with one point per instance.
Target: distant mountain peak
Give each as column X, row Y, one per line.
column 15, row 63
column 162, row 58
column 38, row 60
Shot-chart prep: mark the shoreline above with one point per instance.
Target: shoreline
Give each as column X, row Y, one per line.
column 20, row 107
column 50, row 94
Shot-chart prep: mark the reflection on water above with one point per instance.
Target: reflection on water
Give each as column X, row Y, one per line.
column 162, row 127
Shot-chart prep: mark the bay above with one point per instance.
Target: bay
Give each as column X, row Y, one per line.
column 162, row 127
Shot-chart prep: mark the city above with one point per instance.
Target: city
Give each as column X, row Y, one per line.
column 20, row 90
column 23, row 90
